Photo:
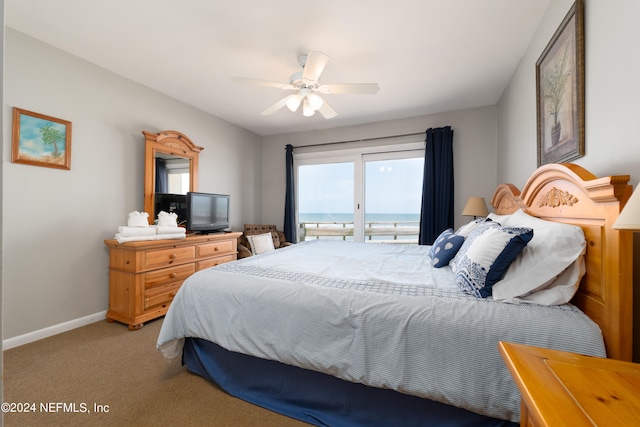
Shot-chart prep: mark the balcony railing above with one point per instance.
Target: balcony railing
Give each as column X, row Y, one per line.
column 405, row 232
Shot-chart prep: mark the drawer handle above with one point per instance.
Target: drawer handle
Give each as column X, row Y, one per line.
column 173, row 256
column 173, row 294
column 174, row 275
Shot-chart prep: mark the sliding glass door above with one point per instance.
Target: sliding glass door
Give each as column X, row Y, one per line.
column 392, row 197
column 326, row 200
column 370, row 197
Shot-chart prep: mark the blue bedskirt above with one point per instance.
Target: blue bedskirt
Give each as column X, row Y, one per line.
column 316, row 398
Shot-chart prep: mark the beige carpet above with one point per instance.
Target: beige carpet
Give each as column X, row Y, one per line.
column 121, row 371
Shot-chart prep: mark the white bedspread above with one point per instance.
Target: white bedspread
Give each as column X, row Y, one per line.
column 374, row 314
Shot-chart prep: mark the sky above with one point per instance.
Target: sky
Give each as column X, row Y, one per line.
column 392, row 186
column 31, row 138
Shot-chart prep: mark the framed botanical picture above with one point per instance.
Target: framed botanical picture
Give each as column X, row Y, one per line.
column 560, row 92
column 40, row 140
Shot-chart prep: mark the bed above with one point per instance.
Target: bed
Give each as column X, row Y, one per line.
column 297, row 332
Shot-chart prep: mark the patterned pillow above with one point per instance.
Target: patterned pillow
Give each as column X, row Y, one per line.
column 445, row 248
column 486, row 255
column 466, row 229
column 261, row 243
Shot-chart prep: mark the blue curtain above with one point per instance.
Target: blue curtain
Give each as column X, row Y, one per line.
column 290, row 231
column 162, row 184
column 436, row 214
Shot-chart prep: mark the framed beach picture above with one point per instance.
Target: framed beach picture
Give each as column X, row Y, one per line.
column 40, row 140
column 560, row 92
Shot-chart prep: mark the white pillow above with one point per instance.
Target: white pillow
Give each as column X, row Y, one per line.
column 540, row 266
column 261, row 243
column 497, row 218
column 558, row 290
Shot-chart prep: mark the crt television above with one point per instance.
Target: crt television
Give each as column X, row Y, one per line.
column 207, row 213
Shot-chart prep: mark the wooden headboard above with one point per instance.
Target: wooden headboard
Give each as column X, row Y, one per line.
column 569, row 193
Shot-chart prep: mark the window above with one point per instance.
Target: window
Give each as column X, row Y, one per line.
column 359, row 196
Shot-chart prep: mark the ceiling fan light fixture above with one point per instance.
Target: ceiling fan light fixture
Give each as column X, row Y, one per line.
column 315, row 102
column 307, row 111
column 294, row 102
column 304, row 84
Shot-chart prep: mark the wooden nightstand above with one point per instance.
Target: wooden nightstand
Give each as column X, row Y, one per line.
column 566, row 389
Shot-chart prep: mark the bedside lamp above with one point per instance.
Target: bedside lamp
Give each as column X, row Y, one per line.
column 475, row 207
column 629, row 218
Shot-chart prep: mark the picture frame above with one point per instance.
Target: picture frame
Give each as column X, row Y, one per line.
column 40, row 140
column 560, row 92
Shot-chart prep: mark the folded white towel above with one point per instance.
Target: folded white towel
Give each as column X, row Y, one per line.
column 125, row 230
column 166, row 219
column 123, row 239
column 138, row 219
column 170, row 230
column 170, row 236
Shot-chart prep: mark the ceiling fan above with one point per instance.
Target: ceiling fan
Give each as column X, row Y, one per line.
column 306, row 88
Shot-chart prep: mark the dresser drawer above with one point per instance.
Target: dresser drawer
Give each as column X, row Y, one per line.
column 145, row 276
column 167, row 257
column 212, row 262
column 205, row 250
column 161, row 296
column 168, row 275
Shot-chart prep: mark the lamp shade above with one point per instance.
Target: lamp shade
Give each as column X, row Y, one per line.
column 307, row 111
column 293, row 102
column 476, row 206
column 315, row 101
column 629, row 218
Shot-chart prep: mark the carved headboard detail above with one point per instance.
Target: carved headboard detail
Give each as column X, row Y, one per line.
column 569, row 193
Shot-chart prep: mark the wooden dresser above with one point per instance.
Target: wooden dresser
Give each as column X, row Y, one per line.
column 145, row 276
column 566, row 389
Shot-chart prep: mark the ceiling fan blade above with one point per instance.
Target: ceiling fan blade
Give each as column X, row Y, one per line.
column 360, row 88
column 275, row 107
column 277, row 85
column 316, row 61
column 327, row 111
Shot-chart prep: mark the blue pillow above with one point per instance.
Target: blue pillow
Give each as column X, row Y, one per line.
column 486, row 255
column 445, row 248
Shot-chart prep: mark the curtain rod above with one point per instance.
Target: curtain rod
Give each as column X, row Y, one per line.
column 360, row 140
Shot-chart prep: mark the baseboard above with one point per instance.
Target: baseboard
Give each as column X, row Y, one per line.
column 52, row 330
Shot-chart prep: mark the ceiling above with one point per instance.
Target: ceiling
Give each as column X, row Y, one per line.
column 428, row 56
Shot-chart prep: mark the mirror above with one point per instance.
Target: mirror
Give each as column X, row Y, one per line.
column 172, row 174
column 168, row 147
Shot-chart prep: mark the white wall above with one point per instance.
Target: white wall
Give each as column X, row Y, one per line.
column 612, row 125
column 612, row 111
column 474, row 150
column 55, row 221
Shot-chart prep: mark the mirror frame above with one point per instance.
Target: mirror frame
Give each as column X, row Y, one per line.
column 168, row 142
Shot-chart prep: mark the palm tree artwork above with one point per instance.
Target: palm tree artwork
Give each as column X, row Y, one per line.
column 554, row 78
column 40, row 140
column 51, row 136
